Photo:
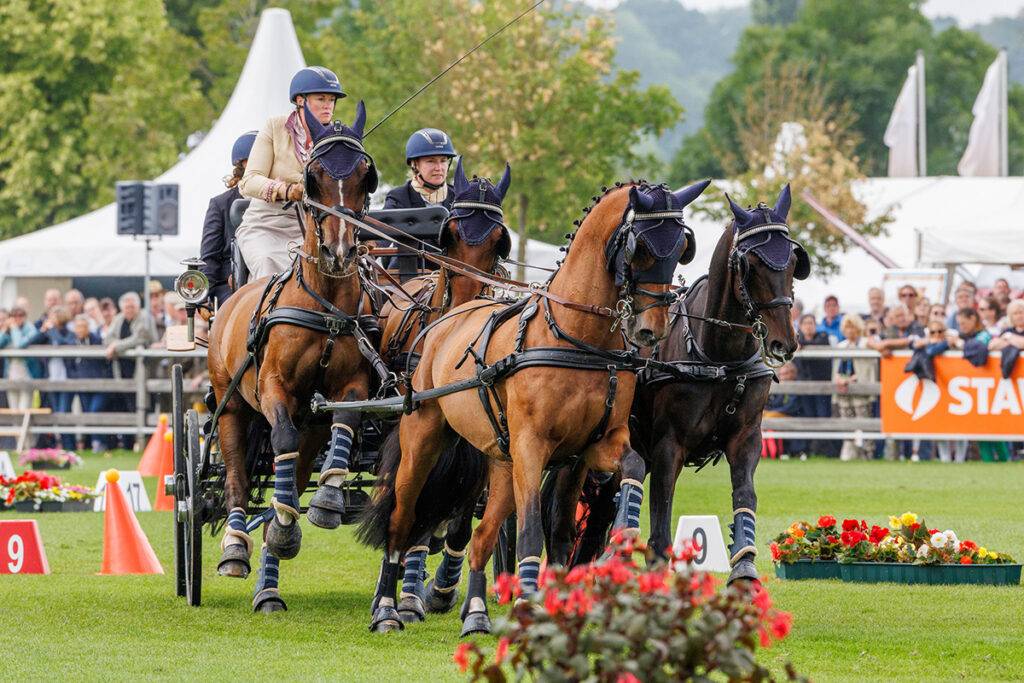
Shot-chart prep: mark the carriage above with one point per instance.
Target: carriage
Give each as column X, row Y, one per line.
column 197, row 484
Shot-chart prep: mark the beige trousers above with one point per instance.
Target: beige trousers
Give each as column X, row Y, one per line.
column 265, row 236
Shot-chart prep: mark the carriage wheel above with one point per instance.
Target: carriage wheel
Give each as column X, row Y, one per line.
column 504, row 560
column 178, row 430
column 194, row 512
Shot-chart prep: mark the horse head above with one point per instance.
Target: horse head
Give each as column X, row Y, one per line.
column 763, row 262
column 476, row 232
column 339, row 174
column 642, row 254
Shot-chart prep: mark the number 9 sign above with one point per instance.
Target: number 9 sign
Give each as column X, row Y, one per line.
column 21, row 548
column 705, row 533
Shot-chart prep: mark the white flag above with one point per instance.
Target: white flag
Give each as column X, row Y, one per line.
column 901, row 133
column 983, row 156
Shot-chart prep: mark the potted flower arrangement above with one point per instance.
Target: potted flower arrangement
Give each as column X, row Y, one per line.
column 49, row 459
column 78, row 498
column 804, row 551
column 34, row 491
column 911, row 552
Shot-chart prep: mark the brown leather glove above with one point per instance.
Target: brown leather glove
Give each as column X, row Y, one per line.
column 293, row 192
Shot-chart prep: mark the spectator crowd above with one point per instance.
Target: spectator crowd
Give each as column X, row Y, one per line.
column 973, row 322
column 68, row 319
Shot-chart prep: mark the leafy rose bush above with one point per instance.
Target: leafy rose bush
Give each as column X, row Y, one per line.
column 801, row 541
column 615, row 621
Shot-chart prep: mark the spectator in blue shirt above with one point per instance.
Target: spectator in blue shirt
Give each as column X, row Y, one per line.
column 832, row 321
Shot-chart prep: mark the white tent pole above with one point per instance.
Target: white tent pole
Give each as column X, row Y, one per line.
column 1004, row 138
column 922, row 140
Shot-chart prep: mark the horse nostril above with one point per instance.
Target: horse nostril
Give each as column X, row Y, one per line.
column 646, row 337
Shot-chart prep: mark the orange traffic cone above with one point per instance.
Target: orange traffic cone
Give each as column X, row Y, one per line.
column 149, row 463
column 126, row 550
column 165, row 502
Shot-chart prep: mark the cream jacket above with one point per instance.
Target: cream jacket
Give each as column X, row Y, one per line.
column 272, row 163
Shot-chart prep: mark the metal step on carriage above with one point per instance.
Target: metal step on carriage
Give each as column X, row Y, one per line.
column 198, row 480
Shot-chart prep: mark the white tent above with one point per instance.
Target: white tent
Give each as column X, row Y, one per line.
column 88, row 246
column 936, row 221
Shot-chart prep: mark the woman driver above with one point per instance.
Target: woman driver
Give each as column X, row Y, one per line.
column 273, row 174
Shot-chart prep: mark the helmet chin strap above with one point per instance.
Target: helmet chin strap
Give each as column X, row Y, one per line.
column 427, row 184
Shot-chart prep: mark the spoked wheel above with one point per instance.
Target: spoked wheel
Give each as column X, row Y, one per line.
column 504, row 560
column 193, row 513
column 178, row 483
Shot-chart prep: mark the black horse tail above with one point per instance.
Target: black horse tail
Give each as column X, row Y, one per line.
column 451, row 491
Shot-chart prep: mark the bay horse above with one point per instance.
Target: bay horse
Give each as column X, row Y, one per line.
column 551, row 388
column 275, row 342
column 735, row 321
column 477, row 238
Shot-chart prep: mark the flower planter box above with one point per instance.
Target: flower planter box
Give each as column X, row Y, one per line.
column 807, row 569
column 933, row 574
column 51, row 506
column 41, row 465
column 25, row 506
column 78, row 506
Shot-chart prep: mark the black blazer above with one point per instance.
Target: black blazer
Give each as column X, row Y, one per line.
column 218, row 232
column 404, row 197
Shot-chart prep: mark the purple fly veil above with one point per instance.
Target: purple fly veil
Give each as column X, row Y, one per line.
column 340, row 157
column 477, row 204
column 773, row 247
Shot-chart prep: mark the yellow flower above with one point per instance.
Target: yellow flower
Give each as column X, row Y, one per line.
column 982, row 553
column 894, row 522
column 908, row 518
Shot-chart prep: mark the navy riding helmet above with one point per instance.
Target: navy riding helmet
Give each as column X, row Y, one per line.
column 243, row 145
column 429, row 142
column 314, row 79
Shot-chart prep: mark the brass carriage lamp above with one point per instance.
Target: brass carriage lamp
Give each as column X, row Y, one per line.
column 193, row 287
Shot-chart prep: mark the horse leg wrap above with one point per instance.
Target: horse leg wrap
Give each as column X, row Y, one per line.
column 742, row 530
column 474, row 610
column 384, row 615
column 415, row 571
column 529, row 571
column 235, row 546
column 443, row 590
column 627, row 517
column 335, row 467
column 266, row 597
column 286, row 497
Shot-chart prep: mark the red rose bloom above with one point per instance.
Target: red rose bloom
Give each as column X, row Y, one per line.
column 968, row 545
column 850, row 525
column 966, row 559
column 825, row 521
column 877, row 534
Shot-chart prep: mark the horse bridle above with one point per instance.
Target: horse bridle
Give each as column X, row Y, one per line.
column 751, row 307
column 624, row 239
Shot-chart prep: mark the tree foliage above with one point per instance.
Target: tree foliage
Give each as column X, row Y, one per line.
column 542, row 96
column 862, row 50
column 90, row 92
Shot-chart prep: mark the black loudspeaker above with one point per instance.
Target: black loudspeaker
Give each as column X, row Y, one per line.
column 147, row 208
column 130, row 199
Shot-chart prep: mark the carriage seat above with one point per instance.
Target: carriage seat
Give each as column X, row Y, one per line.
column 424, row 223
column 239, row 273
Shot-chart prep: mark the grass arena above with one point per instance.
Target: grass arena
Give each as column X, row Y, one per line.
column 87, row 627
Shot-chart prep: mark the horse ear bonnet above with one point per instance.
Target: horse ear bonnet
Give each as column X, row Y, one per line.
column 477, row 210
column 773, row 248
column 339, row 148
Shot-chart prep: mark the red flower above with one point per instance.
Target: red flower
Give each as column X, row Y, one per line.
column 627, row 678
column 552, row 603
column 703, row 586
column 852, row 538
column 782, row 624
column 877, row 534
column 966, row 559
column 766, row 639
column 915, row 526
column 506, row 587
column 762, row 600
column 968, row 545
column 933, row 531
column 789, row 541
column 578, row 603
column 653, row 582
column 825, row 521
column 579, row 574
column 850, row 525
column 831, row 539
column 776, row 553
column 501, row 651
column 688, row 552
column 461, row 656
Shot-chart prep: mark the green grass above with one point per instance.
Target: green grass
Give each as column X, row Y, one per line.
column 73, row 624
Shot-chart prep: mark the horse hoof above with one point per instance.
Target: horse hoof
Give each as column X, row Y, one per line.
column 283, row 542
column 323, row 518
column 326, row 507
column 385, row 620
column 744, row 571
column 438, row 602
column 475, row 622
column 410, row 609
column 234, row 562
column 268, row 602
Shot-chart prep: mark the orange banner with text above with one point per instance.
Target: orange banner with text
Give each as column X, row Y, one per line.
column 964, row 399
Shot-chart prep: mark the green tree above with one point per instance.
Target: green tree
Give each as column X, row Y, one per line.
column 90, row 92
column 862, row 50
column 774, row 12
column 542, row 96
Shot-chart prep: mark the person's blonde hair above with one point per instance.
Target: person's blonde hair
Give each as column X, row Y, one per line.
column 853, row 321
column 1013, row 306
